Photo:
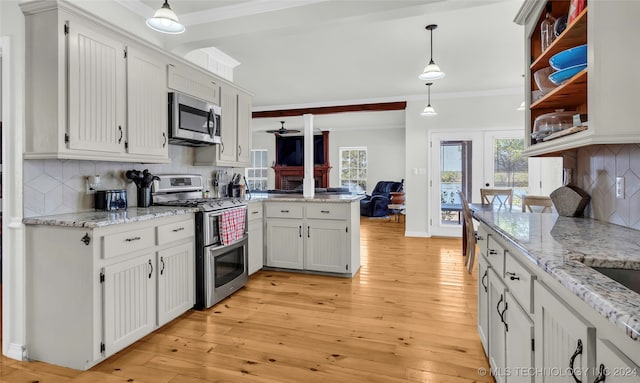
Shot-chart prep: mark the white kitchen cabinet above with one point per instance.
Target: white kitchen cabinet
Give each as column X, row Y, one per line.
column 285, row 245
column 497, row 339
column 613, row 366
column 235, row 132
column 185, row 79
column 602, row 91
column 176, row 281
column 96, row 90
column 519, row 342
column 483, row 302
column 129, row 301
column 313, row 236
column 146, row 105
column 119, row 283
column 255, row 229
column 563, row 338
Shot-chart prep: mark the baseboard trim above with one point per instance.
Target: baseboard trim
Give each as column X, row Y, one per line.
column 421, row 234
column 15, row 351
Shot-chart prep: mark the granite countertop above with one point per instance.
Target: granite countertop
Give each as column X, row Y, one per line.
column 94, row 219
column 565, row 247
column 319, row 197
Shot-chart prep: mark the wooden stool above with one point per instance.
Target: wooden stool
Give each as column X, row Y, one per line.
column 537, row 200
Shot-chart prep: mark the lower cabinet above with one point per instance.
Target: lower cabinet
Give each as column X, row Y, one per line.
column 497, row 340
column 565, row 341
column 313, row 236
column 613, row 366
column 255, row 229
column 483, row 302
column 98, row 290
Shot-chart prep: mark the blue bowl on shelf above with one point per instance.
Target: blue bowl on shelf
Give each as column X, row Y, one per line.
column 569, row 58
column 561, row 76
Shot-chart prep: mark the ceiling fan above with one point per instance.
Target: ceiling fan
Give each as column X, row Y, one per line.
column 282, row 130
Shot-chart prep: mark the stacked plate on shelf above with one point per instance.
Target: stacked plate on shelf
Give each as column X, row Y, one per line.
column 568, row 63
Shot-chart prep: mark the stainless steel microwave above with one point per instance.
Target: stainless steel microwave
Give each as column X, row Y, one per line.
column 193, row 122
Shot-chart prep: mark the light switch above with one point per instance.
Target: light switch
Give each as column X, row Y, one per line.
column 620, row 187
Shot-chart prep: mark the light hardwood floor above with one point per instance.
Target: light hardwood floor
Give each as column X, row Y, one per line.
column 408, row 316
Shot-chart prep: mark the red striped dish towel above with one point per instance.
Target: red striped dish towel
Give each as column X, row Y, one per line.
column 232, row 226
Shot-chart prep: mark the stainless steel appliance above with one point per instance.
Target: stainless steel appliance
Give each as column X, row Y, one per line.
column 193, row 122
column 221, row 269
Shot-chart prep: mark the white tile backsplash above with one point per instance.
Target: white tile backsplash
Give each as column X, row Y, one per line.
column 59, row 186
column 597, row 169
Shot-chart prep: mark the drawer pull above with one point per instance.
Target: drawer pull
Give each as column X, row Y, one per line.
column 255, row 212
column 86, row 239
column 577, row 352
column 162, row 269
column 482, row 280
column 479, row 238
column 284, row 211
column 300, row 231
column 492, row 252
column 513, row 276
column 178, row 229
column 151, row 266
column 325, row 211
column 132, row 239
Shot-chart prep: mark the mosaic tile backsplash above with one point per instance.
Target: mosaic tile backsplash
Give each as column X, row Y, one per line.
column 60, row 186
column 597, row 168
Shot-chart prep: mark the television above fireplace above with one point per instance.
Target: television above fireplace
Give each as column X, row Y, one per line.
column 290, row 150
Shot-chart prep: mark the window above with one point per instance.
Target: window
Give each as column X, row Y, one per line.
column 257, row 173
column 353, row 168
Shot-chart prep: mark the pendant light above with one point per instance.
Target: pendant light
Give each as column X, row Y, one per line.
column 432, row 70
column 428, row 110
column 165, row 20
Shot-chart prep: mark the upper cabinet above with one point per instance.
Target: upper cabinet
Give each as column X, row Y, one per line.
column 194, row 83
column 604, row 91
column 235, row 132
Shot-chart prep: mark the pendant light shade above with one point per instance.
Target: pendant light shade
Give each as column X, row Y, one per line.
column 432, row 70
column 429, row 110
column 165, row 20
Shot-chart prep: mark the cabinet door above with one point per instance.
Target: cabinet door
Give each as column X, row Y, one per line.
column 497, row 337
column 519, row 337
column 284, row 243
column 146, row 105
column 256, row 245
column 563, row 337
column 96, row 91
column 326, row 246
column 176, row 276
column 483, row 302
column 612, row 366
column 229, row 124
column 244, row 129
column 129, row 301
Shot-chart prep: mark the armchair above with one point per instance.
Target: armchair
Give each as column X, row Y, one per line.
column 375, row 205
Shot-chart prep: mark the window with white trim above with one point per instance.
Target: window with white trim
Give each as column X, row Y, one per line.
column 353, row 168
column 257, row 174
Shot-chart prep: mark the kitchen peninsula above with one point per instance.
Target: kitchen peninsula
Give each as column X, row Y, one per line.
column 537, row 285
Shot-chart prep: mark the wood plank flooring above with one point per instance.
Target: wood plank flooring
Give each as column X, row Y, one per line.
column 408, row 316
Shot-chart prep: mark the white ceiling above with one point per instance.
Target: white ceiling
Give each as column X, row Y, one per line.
column 315, row 52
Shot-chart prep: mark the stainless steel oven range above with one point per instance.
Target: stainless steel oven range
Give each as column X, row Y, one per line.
column 221, row 263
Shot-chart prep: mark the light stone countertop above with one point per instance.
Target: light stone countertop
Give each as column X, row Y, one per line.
column 318, row 197
column 94, row 219
column 565, row 247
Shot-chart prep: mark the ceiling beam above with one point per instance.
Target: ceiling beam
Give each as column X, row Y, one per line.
column 377, row 107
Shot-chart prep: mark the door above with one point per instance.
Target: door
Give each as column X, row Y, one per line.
column 564, row 339
column 518, row 342
column 227, row 149
column 176, row 273
column 483, row 302
column 129, row 301
column 545, row 175
column 326, row 246
column 96, row 91
column 284, row 243
column 497, row 336
column 504, row 164
column 244, row 129
column 456, row 160
column 614, row 365
column 146, row 105
column 256, row 245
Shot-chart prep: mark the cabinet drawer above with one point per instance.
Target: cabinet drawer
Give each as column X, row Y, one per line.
column 254, row 211
column 519, row 281
column 283, row 210
column 495, row 255
column 326, row 211
column 175, row 231
column 126, row 242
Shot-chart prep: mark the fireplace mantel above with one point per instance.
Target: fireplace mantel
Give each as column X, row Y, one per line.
column 290, row 177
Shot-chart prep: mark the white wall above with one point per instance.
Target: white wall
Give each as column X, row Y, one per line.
column 480, row 112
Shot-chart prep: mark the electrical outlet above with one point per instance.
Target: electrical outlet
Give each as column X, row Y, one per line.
column 620, row 187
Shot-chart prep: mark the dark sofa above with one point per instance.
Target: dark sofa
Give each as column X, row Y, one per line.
column 375, row 205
